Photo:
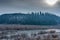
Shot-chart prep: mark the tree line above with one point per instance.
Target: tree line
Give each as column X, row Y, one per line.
column 33, row 18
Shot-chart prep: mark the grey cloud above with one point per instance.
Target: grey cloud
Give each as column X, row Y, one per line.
column 27, row 5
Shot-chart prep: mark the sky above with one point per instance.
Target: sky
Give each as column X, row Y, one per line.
column 26, row 6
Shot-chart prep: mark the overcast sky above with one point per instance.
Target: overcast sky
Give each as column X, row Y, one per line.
column 25, row 6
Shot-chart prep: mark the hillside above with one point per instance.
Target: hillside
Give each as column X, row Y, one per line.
column 38, row 18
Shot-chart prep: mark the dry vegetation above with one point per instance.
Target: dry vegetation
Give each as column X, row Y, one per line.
column 42, row 35
column 23, row 27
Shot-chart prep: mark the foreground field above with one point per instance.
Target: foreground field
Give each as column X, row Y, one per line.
column 29, row 32
column 29, row 35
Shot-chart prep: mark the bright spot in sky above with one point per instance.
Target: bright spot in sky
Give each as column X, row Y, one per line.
column 51, row 2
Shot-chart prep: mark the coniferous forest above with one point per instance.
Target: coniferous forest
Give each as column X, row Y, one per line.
column 32, row 18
